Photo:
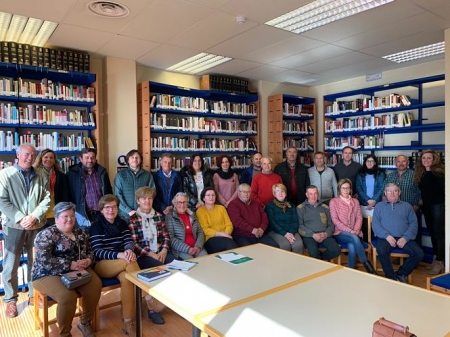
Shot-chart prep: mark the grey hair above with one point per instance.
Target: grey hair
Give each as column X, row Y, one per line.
column 21, row 146
column 179, row 194
column 62, row 207
column 391, row 184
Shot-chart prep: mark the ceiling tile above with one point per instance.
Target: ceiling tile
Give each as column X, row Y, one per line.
column 335, row 62
column 126, row 47
column 39, row 9
column 164, row 56
column 261, row 72
column 79, row 38
column 232, row 67
column 209, row 3
column 287, row 76
column 310, row 56
column 163, row 20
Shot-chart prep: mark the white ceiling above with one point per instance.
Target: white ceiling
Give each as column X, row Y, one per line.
column 160, row 33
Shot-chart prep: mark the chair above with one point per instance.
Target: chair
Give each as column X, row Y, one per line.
column 47, row 302
column 396, row 252
column 439, row 283
column 108, row 284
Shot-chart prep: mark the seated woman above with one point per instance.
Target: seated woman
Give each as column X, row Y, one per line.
column 148, row 231
column 195, row 178
column 347, row 220
column 216, row 223
column 186, row 235
column 113, row 249
column 59, row 249
column 283, row 221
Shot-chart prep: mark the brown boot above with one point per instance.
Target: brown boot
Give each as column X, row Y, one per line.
column 437, row 268
column 129, row 328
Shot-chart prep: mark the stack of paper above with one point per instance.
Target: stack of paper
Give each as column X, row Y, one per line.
column 181, row 265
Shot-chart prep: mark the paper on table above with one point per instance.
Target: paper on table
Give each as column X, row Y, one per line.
column 181, row 265
column 234, row 258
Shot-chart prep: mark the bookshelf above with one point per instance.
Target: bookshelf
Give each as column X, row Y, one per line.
column 47, row 108
column 184, row 121
column 21, row 272
column 292, row 122
column 396, row 118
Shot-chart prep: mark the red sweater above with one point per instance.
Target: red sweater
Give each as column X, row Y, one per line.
column 246, row 217
column 262, row 187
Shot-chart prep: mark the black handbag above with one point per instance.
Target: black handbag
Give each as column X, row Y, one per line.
column 76, row 278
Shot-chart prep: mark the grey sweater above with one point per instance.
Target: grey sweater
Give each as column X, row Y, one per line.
column 325, row 183
column 314, row 219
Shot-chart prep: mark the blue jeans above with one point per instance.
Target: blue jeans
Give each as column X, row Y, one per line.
column 411, row 248
column 354, row 245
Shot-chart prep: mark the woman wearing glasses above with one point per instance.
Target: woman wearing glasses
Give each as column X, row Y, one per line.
column 347, row 220
column 186, row 235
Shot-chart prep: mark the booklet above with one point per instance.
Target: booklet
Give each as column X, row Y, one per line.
column 234, row 258
column 153, row 274
column 181, row 265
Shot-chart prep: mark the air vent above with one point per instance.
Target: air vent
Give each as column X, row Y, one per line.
column 108, row 9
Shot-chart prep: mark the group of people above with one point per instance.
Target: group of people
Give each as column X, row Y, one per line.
column 150, row 219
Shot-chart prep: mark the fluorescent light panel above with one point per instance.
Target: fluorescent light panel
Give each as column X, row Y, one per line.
column 322, row 12
column 417, row 53
column 199, row 63
column 21, row 29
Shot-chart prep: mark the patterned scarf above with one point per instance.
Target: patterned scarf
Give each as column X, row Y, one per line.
column 147, row 223
column 284, row 205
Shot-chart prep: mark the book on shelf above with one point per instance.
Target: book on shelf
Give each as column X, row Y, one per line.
column 181, row 265
column 153, row 274
column 234, row 258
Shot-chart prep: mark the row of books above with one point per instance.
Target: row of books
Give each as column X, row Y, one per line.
column 64, row 163
column 22, row 276
column 199, row 104
column 368, row 103
column 47, row 89
column 224, row 83
column 238, row 162
column 10, row 141
column 298, row 110
column 42, row 115
column 200, row 124
column 303, row 128
column 385, row 121
column 205, row 144
column 67, row 60
column 301, row 144
column 356, row 142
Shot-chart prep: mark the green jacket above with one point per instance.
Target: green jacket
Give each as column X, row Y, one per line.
column 15, row 204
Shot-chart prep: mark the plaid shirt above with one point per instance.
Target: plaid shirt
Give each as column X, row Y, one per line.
column 141, row 246
column 93, row 189
column 410, row 191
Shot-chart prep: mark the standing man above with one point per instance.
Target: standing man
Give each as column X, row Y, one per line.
column 323, row 178
column 168, row 183
column 347, row 168
column 251, row 171
column 249, row 220
column 315, row 226
column 262, row 183
column 395, row 225
column 294, row 175
column 24, row 201
column 88, row 182
column 127, row 182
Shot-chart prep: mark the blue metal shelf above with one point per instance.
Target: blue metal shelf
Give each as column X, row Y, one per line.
column 408, row 129
column 200, row 133
column 202, row 114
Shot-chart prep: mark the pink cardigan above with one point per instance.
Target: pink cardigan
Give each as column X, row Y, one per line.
column 345, row 217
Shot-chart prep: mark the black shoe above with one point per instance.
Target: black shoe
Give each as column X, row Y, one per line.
column 369, row 267
column 401, row 278
column 155, row 317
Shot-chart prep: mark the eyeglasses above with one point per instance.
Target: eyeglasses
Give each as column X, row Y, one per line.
column 110, row 207
column 182, row 202
column 345, row 188
column 370, row 161
column 246, row 192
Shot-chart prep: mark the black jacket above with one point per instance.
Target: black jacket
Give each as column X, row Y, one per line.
column 190, row 188
column 301, row 180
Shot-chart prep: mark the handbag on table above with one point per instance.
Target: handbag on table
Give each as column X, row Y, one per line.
column 76, row 278
column 384, row 328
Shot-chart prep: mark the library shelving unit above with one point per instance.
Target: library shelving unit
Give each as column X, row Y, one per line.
column 386, row 120
column 184, row 121
column 21, row 273
column 47, row 108
column 292, row 122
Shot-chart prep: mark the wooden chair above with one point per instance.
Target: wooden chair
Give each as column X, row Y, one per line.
column 396, row 252
column 44, row 302
column 108, row 284
column 439, row 283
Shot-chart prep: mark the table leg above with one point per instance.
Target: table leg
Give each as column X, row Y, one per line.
column 138, row 299
column 196, row 331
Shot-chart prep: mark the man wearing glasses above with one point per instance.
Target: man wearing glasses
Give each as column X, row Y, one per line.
column 395, row 225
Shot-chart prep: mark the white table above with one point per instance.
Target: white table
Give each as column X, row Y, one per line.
column 214, row 284
column 342, row 303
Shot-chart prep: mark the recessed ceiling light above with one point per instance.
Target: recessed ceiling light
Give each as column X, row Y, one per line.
column 198, row 63
column 108, row 9
column 417, row 53
column 321, row 12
